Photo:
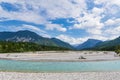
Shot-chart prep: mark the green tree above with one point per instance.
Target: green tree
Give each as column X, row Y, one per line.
column 117, row 50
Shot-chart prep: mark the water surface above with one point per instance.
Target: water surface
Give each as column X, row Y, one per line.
column 27, row 66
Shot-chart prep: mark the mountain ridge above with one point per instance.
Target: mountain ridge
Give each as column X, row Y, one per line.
column 88, row 44
column 108, row 45
column 29, row 36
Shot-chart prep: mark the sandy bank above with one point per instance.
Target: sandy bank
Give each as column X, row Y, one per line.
column 62, row 56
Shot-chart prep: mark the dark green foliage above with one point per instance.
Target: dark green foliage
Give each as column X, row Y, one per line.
column 81, row 57
column 104, row 48
column 117, row 50
column 6, row 47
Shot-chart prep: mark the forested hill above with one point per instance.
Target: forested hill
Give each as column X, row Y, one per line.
column 10, row 47
column 29, row 36
column 108, row 45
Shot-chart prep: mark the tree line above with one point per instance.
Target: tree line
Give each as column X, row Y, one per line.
column 6, row 46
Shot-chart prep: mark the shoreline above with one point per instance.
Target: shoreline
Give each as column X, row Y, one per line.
column 57, row 56
column 46, row 60
column 53, row 72
column 60, row 76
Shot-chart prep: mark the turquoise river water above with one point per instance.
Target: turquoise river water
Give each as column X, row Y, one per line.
column 27, row 66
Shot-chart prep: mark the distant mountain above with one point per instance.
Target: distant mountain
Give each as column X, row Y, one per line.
column 29, row 36
column 61, row 43
column 25, row 36
column 88, row 44
column 107, row 45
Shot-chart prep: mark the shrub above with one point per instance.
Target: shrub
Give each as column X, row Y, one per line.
column 81, row 57
column 117, row 50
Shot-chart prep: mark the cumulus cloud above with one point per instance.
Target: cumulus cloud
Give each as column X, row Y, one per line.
column 112, row 2
column 113, row 31
column 99, row 22
column 34, row 28
column 89, row 22
column 111, row 7
column 41, row 11
column 112, row 22
column 25, row 27
column 76, row 41
column 27, row 16
column 55, row 26
column 71, row 40
column 94, row 31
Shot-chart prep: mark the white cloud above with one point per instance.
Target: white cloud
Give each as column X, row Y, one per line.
column 113, row 31
column 71, row 40
column 76, row 41
column 63, row 8
column 55, row 26
column 89, row 22
column 109, row 22
column 93, row 20
column 97, row 11
column 111, row 7
column 34, row 28
column 113, row 2
column 94, row 31
column 54, row 9
column 10, row 1
column 112, row 22
column 100, row 37
column 27, row 16
column 42, row 11
column 26, row 27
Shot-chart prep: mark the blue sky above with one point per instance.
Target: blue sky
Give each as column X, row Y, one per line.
column 73, row 21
